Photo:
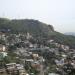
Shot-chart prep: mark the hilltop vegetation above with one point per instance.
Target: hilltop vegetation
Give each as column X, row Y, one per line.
column 35, row 28
column 25, row 25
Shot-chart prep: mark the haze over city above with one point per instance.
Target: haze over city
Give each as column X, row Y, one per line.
column 59, row 13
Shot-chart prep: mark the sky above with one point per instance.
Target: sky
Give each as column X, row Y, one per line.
column 59, row 13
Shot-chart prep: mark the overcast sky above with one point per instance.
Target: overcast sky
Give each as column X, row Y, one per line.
column 59, row 13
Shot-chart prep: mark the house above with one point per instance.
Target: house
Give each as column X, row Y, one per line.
column 35, row 55
column 31, row 45
column 50, row 40
column 2, row 36
column 21, row 69
column 36, row 64
column 2, row 71
column 65, row 47
column 59, row 62
column 57, row 45
column 28, row 35
column 29, row 60
column 16, row 68
column 2, row 48
column 53, row 74
column 64, row 56
column 19, row 66
column 22, row 72
column 11, row 66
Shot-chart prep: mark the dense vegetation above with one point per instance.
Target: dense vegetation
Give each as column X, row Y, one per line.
column 35, row 28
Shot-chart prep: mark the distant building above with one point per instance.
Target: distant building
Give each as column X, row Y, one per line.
column 28, row 35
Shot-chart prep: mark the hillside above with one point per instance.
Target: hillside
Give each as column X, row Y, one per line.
column 35, row 28
column 27, row 25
